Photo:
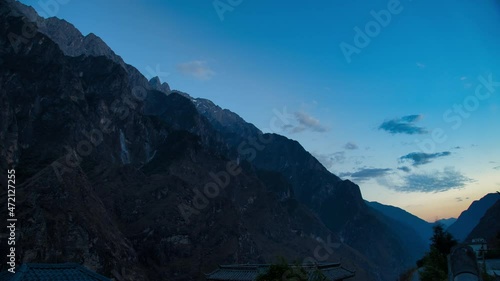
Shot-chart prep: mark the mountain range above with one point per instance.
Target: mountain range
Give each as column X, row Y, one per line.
column 471, row 217
column 140, row 182
column 446, row 222
column 488, row 227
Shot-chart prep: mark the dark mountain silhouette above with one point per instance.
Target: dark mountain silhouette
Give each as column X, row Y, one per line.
column 488, row 227
column 409, row 229
column 469, row 218
column 134, row 180
column 337, row 202
column 421, row 227
column 102, row 176
column 446, row 222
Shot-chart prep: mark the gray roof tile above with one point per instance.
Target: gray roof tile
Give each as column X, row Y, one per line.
column 332, row 271
column 52, row 272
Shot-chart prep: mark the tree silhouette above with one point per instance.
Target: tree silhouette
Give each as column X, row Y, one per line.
column 442, row 240
column 435, row 263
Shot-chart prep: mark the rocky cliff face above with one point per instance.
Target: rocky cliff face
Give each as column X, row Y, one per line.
column 338, row 203
column 132, row 189
column 73, row 43
column 83, row 127
column 69, row 39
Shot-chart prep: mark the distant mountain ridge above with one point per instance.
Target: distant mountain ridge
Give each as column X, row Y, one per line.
column 421, row 227
column 446, row 222
column 488, row 227
column 470, row 218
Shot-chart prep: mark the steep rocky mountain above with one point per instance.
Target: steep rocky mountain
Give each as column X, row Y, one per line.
column 237, row 133
column 337, row 202
column 488, row 227
column 96, row 144
column 73, row 43
column 69, row 39
column 156, row 84
column 469, row 218
column 102, row 175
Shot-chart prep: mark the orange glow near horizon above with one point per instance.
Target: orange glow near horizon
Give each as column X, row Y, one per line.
column 441, row 205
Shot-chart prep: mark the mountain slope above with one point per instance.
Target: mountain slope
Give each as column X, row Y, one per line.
column 69, row 39
column 73, row 43
column 421, row 227
column 488, row 227
column 406, row 234
column 338, row 203
column 350, row 212
column 469, row 218
column 446, row 222
column 101, row 182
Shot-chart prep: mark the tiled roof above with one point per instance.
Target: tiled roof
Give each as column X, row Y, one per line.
column 249, row 272
column 337, row 273
column 52, row 272
column 235, row 273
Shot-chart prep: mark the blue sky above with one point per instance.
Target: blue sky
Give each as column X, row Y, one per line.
column 412, row 81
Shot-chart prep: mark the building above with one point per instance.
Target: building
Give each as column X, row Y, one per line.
column 249, row 272
column 52, row 272
column 479, row 246
column 492, row 267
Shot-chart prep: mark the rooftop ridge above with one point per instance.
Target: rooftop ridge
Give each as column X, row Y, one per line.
column 246, row 266
column 249, row 272
column 24, row 270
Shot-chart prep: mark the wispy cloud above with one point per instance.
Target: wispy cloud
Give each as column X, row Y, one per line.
column 310, row 122
column 351, row 146
column 403, row 125
column 366, row 174
column 305, row 121
column 420, row 65
column 420, row 158
column 496, row 168
column 437, row 181
column 329, row 160
column 404, row 169
column 198, row 69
